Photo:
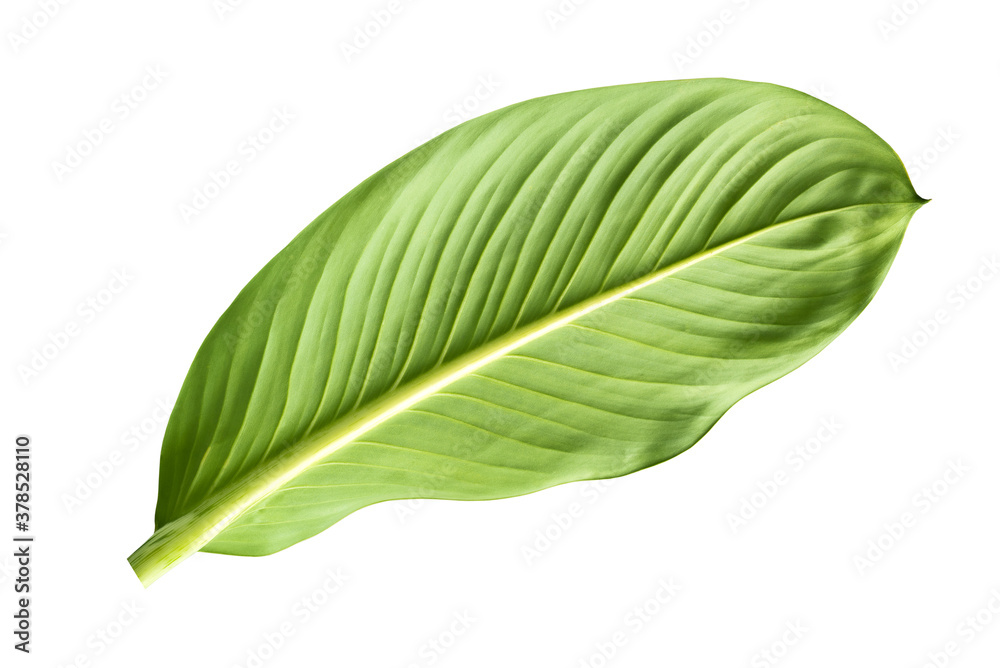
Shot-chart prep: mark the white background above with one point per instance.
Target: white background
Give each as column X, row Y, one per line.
column 926, row 84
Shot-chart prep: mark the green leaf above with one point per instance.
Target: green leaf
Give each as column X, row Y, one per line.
column 571, row 288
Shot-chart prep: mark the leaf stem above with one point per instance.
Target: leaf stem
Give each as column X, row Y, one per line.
column 178, row 540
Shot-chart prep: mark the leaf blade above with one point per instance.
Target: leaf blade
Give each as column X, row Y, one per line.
column 537, row 220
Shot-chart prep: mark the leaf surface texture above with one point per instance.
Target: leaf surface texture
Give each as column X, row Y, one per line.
column 571, row 288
